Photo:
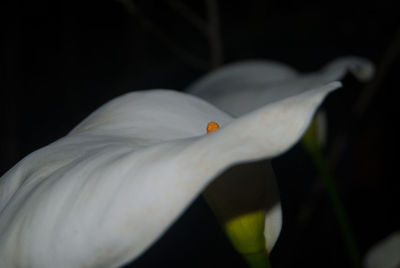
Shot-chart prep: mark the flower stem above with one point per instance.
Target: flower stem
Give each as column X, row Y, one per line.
column 336, row 203
column 257, row 260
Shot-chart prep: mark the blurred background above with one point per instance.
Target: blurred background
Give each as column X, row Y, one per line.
column 61, row 60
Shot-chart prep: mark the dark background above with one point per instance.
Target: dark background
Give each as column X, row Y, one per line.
column 61, row 60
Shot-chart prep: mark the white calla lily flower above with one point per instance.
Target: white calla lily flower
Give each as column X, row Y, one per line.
column 103, row 194
column 238, row 89
column 242, row 87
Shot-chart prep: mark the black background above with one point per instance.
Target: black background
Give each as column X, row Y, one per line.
column 62, row 60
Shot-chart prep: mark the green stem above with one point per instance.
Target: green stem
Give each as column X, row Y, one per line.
column 257, row 260
column 336, row 203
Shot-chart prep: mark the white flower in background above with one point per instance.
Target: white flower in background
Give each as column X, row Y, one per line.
column 103, row 194
column 242, row 87
column 238, row 89
column 385, row 254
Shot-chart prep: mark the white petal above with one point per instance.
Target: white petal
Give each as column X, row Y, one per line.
column 361, row 68
column 242, row 75
column 104, row 193
column 242, row 87
column 385, row 254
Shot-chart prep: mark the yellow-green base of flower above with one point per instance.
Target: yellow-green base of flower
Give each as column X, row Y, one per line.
column 246, row 232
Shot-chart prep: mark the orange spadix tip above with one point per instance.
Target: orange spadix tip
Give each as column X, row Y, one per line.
column 212, row 126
